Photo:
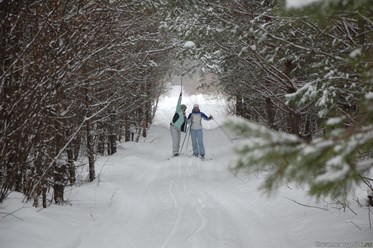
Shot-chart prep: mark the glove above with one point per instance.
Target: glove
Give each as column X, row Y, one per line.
column 181, row 93
column 210, row 117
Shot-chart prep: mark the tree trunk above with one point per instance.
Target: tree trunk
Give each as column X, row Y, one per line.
column 294, row 118
column 101, row 144
column 58, row 186
column 270, row 114
column 71, row 164
column 113, row 144
column 294, row 123
column 112, row 139
column 44, row 194
column 144, row 120
column 36, row 175
column 307, row 129
column 127, row 133
column 239, row 105
column 90, row 151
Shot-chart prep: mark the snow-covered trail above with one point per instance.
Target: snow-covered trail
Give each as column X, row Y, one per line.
column 181, row 202
column 140, row 199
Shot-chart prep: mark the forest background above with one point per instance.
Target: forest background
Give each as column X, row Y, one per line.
column 75, row 75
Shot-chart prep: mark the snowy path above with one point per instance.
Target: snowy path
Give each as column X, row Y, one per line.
column 182, row 202
column 142, row 200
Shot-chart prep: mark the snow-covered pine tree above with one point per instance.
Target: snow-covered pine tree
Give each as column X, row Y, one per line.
column 340, row 90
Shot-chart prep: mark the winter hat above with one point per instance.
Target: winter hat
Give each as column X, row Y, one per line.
column 195, row 105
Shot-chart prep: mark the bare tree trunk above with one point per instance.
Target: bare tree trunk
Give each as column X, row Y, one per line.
column 101, row 144
column 307, row 129
column 144, row 119
column 294, row 123
column 294, row 118
column 144, row 126
column 239, row 105
column 71, row 164
column 35, row 177
column 59, row 186
column 44, row 195
column 113, row 144
column 127, row 133
column 270, row 114
column 90, row 151
column 112, row 139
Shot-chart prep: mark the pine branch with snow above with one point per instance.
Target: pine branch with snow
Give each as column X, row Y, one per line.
column 328, row 166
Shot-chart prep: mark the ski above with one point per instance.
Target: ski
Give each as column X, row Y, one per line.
column 206, row 159
column 202, row 159
column 173, row 157
column 181, row 156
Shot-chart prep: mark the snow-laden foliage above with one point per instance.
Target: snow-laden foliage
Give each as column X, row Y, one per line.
column 73, row 78
column 292, row 72
column 330, row 167
column 334, row 76
column 81, row 72
column 327, row 7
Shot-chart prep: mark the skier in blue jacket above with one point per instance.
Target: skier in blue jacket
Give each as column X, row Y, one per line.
column 195, row 119
column 178, row 125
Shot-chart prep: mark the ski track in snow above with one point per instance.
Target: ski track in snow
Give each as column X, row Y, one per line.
column 180, row 203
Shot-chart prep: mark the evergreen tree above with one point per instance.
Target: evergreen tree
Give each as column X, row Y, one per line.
column 340, row 90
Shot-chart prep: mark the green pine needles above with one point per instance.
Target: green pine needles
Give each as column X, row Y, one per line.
column 328, row 166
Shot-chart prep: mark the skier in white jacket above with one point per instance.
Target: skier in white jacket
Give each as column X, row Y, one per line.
column 195, row 119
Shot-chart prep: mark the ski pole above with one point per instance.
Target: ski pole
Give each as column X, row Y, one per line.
column 186, row 134
column 181, row 82
column 186, row 148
